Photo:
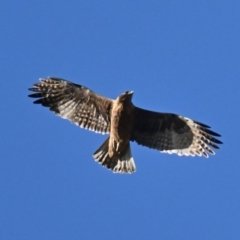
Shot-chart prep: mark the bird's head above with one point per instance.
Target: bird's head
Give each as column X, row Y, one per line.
column 126, row 96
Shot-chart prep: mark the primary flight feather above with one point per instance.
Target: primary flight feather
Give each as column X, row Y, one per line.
column 124, row 122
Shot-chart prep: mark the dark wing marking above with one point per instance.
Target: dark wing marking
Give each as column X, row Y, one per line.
column 74, row 102
column 173, row 134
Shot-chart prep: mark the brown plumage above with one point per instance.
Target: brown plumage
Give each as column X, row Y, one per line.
column 124, row 122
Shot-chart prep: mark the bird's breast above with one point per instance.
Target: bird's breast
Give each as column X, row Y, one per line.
column 121, row 128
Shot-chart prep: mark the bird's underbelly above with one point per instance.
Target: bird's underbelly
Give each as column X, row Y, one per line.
column 121, row 128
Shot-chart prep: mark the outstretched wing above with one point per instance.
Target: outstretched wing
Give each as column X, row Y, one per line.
column 173, row 134
column 74, row 102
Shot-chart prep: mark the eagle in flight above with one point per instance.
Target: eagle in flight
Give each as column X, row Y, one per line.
column 124, row 122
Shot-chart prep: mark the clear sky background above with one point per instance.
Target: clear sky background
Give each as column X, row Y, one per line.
column 177, row 56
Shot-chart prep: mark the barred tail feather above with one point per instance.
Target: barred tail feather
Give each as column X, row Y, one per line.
column 123, row 164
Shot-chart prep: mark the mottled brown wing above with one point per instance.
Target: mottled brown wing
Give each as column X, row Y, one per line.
column 74, row 102
column 173, row 134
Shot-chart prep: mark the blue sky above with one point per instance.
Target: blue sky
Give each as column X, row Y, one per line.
column 177, row 56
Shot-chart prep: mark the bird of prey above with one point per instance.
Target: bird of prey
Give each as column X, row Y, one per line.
column 124, row 122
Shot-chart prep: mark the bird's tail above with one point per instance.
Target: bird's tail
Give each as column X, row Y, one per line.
column 123, row 164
